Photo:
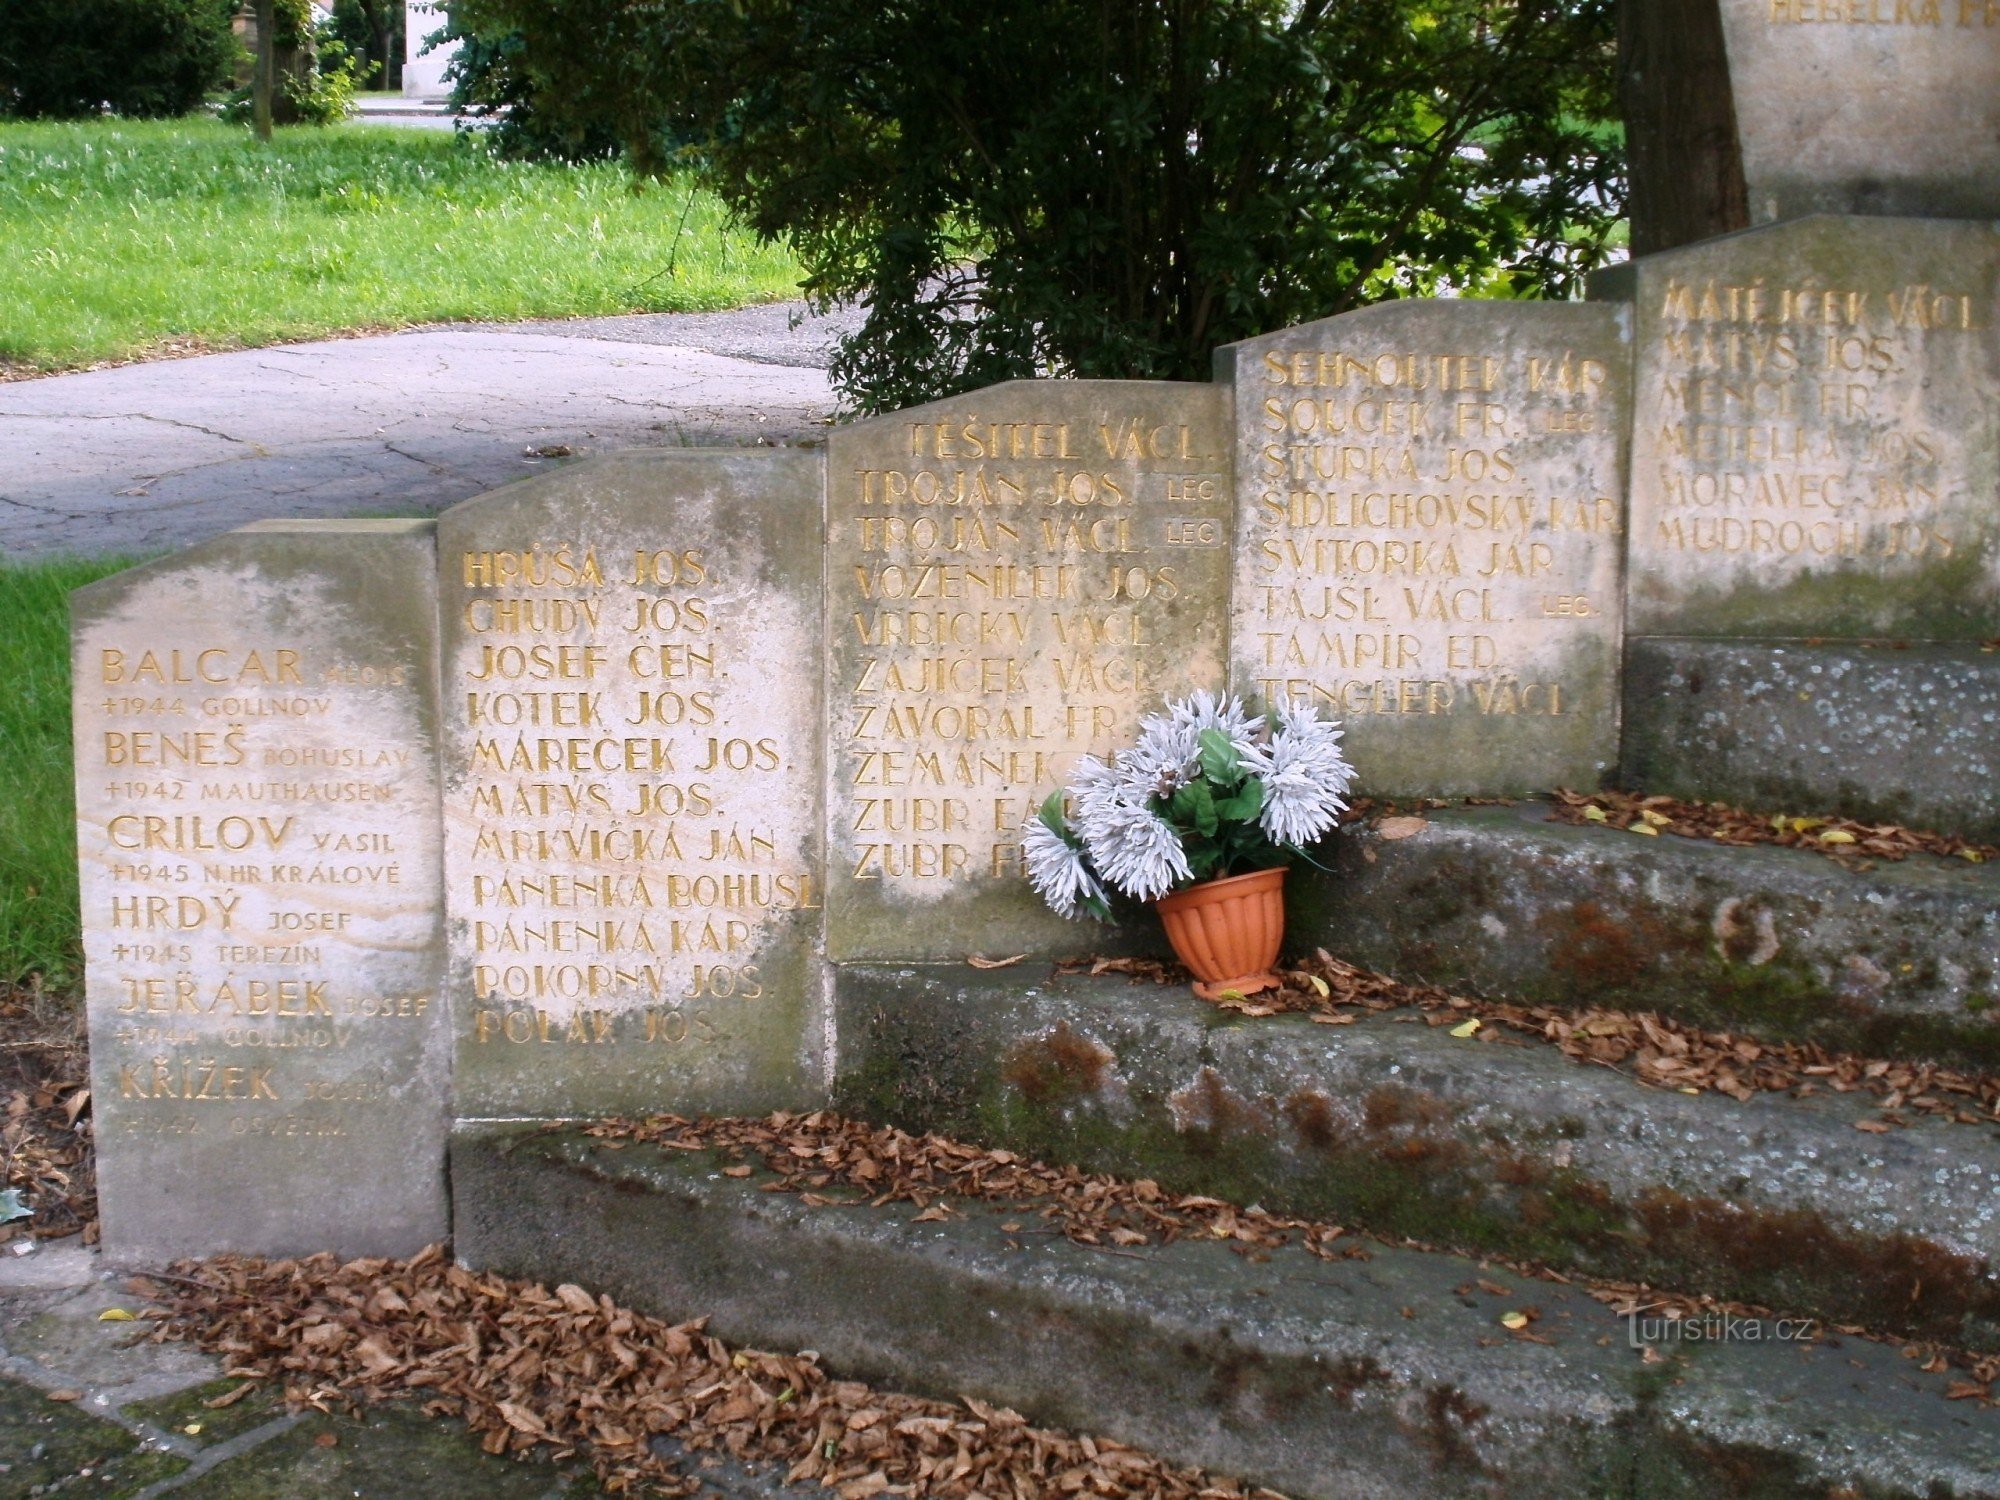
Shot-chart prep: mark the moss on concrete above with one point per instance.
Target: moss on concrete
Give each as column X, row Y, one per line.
column 185, row 1409
column 395, row 1450
column 51, row 1447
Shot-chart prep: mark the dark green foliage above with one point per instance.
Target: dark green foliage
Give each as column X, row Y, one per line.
column 1111, row 187
column 1215, row 815
column 489, row 83
column 316, row 75
column 64, row 59
column 372, row 33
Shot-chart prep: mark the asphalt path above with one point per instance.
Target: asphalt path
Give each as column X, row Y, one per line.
column 151, row 456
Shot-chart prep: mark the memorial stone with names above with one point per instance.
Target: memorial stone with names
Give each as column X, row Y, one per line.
column 631, row 786
column 1014, row 577
column 1429, row 535
column 255, row 736
column 1866, row 106
column 1816, row 447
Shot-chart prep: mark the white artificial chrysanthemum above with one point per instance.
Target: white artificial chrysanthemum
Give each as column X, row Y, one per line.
column 1168, row 752
column 1305, row 777
column 1056, row 870
column 1094, row 787
column 1128, row 846
column 1135, row 850
column 1205, row 710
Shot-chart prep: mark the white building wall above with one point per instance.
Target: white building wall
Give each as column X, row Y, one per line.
column 423, row 71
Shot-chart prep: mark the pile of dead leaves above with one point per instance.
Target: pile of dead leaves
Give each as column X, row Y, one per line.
column 1652, row 1048
column 810, row 1154
column 47, row 1161
column 565, row 1373
column 1845, row 840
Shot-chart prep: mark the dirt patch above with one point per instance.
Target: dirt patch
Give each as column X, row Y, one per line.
column 1060, row 1066
column 48, row 1158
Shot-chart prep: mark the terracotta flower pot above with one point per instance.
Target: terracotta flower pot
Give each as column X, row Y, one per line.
column 1228, row 931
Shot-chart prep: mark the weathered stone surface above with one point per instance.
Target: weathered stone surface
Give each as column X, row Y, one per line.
column 1397, row 1127
column 1867, row 106
column 1373, row 1377
column 1816, row 449
column 1428, row 537
column 255, row 736
column 1014, row 577
column 631, row 774
column 1906, row 735
column 1901, row 960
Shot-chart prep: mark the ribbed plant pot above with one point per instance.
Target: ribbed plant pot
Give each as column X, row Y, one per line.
column 1228, row 931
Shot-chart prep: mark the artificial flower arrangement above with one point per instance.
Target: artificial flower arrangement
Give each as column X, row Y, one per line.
column 1201, row 817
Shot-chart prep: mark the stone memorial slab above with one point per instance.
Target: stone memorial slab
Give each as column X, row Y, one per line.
column 1866, row 106
column 255, row 735
column 632, row 765
column 1013, row 577
column 1816, row 448
column 1429, row 534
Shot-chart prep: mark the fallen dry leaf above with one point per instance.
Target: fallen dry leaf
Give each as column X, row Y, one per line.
column 1392, row 829
column 1655, row 1049
column 979, row 962
column 1845, row 840
column 581, row 1374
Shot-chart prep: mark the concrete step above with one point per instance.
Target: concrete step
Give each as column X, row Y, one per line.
column 1494, row 1143
column 1904, row 734
column 1389, row 1376
column 1902, row 960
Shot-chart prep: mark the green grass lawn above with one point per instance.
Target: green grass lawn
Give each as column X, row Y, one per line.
column 123, row 236
column 39, row 931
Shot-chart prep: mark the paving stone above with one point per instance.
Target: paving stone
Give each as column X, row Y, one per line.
column 51, row 1448
column 62, row 1340
column 390, row 1453
column 189, row 1408
column 1907, row 734
column 1492, row 1143
column 1389, row 1376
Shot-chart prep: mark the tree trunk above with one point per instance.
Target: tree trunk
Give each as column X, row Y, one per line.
column 1680, row 124
column 385, row 34
column 264, row 77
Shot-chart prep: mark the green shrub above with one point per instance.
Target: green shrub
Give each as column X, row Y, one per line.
column 316, row 75
column 63, row 59
column 1110, row 188
column 489, row 84
column 372, row 33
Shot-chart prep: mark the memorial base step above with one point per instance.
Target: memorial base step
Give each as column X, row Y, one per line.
column 1899, row 960
column 1907, row 734
column 1492, row 1142
column 1386, row 1376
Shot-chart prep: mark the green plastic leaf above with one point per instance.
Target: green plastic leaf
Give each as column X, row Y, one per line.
column 1052, row 815
column 1245, row 805
column 1218, row 758
column 1205, row 819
